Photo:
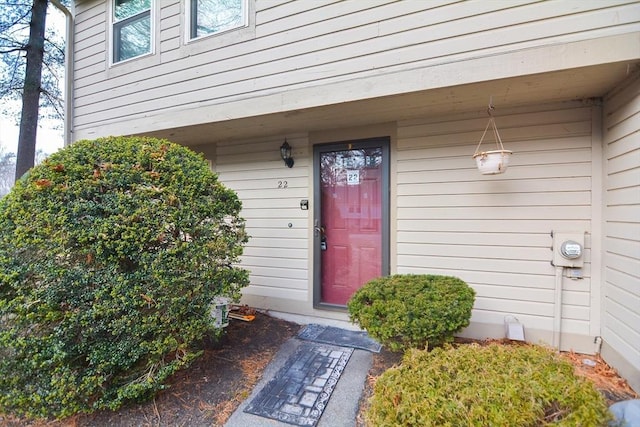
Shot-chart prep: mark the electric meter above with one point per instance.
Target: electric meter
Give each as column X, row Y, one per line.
column 570, row 249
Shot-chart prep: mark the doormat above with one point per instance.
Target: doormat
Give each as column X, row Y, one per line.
column 340, row 337
column 300, row 390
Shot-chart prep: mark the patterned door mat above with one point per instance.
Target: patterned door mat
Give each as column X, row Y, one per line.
column 340, row 337
column 300, row 390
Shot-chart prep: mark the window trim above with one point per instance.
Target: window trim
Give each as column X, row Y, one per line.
column 191, row 22
column 117, row 25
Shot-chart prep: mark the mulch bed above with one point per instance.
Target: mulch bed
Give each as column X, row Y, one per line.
column 208, row 392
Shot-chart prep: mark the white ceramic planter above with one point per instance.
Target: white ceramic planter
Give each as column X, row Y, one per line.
column 492, row 162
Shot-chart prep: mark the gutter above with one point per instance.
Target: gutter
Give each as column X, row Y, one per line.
column 68, row 75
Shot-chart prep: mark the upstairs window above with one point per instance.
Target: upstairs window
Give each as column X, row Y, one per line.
column 131, row 29
column 216, row 16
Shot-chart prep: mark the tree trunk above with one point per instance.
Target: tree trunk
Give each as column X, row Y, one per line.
column 31, row 93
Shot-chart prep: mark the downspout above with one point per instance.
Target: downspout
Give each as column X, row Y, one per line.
column 68, row 75
column 557, row 315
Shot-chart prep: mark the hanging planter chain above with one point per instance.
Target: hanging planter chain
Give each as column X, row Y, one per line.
column 495, row 161
column 492, row 123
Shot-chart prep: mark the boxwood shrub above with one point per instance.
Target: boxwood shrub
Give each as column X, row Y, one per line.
column 412, row 311
column 111, row 252
column 493, row 385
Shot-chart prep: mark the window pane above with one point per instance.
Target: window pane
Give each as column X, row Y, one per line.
column 213, row 16
column 126, row 8
column 133, row 38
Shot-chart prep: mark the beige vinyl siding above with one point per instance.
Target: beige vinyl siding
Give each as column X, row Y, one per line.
column 308, row 43
column 621, row 319
column 494, row 231
column 171, row 32
column 277, row 255
column 90, row 48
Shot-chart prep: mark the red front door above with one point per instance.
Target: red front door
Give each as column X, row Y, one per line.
column 350, row 228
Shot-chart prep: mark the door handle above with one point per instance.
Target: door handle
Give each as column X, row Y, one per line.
column 318, row 231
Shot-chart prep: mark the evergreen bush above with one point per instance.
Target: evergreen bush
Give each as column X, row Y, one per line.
column 494, row 385
column 412, row 311
column 111, row 252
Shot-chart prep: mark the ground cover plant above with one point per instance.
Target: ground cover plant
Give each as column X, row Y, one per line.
column 492, row 385
column 412, row 311
column 111, row 252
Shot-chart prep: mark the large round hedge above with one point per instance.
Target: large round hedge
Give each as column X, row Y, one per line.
column 111, row 252
column 412, row 310
column 493, row 385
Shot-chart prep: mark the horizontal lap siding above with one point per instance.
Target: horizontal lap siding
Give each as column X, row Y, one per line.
column 621, row 318
column 170, row 31
column 277, row 255
column 304, row 43
column 90, row 49
column 494, row 231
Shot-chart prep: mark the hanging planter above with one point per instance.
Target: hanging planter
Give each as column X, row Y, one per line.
column 496, row 161
column 492, row 162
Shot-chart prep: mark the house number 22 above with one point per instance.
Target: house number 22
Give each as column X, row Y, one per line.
column 283, row 184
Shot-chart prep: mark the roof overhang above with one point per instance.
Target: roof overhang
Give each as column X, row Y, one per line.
column 573, row 71
column 567, row 85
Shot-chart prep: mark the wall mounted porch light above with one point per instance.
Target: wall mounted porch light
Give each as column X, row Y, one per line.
column 285, row 153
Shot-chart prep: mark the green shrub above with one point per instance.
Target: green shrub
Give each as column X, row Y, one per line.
column 496, row 385
column 405, row 311
column 111, row 252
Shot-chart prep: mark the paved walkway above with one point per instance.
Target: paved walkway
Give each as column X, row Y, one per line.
column 341, row 411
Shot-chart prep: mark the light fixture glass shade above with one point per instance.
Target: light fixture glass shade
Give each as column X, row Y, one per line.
column 285, row 150
column 285, row 153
